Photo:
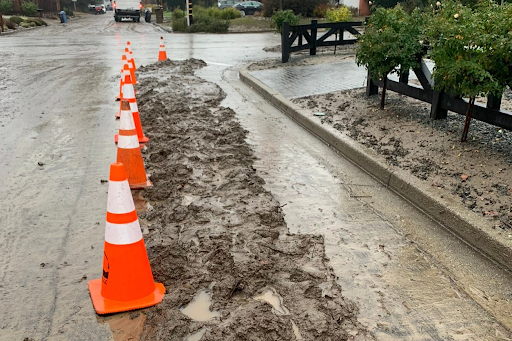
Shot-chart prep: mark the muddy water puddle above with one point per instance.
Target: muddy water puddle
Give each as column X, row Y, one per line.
column 375, row 241
column 199, row 308
column 271, row 297
column 197, row 335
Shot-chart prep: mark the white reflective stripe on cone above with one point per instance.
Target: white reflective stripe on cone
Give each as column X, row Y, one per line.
column 120, row 198
column 134, row 107
column 123, row 234
column 128, row 142
column 128, row 91
column 126, row 122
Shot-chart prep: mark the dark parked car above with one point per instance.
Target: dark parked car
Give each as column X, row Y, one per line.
column 248, row 7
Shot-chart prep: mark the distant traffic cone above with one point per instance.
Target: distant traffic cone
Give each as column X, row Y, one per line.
column 128, row 149
column 127, row 282
column 131, row 55
column 124, row 73
column 129, row 95
column 130, row 64
column 162, row 55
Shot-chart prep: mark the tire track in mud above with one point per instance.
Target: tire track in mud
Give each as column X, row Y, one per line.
column 212, row 226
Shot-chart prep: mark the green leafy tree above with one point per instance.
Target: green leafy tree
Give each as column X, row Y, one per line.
column 280, row 17
column 6, row 6
column 29, row 9
column 390, row 44
column 465, row 48
column 339, row 14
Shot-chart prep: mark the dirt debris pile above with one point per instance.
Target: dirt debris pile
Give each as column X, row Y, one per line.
column 475, row 174
column 213, row 228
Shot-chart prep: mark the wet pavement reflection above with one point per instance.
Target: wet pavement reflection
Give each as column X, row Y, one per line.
column 411, row 280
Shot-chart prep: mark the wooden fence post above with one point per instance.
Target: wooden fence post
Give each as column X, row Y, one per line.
column 371, row 88
column 314, row 30
column 436, row 112
column 285, row 45
column 494, row 102
column 404, row 78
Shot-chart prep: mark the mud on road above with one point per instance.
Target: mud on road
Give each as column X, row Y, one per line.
column 211, row 229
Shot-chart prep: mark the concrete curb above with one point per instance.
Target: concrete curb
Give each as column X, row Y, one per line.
column 462, row 223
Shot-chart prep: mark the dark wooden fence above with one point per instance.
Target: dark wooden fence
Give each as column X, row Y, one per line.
column 441, row 102
column 305, row 37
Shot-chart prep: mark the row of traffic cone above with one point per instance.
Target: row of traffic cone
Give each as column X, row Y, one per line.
column 127, row 281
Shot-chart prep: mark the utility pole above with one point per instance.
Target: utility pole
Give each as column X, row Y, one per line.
column 190, row 17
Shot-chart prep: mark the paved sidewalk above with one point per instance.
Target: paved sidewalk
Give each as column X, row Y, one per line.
column 301, row 81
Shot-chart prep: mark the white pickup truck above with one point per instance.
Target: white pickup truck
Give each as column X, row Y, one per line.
column 127, row 9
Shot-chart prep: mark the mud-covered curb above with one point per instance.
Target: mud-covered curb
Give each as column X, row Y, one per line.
column 463, row 223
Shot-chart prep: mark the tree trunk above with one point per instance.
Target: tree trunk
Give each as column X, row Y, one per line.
column 469, row 114
column 384, row 87
column 16, row 6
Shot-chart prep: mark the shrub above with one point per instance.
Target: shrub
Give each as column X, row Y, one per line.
column 214, row 26
column 229, row 13
column 6, row 6
column 303, row 7
column 205, row 20
column 179, row 24
column 339, row 14
column 25, row 25
column 320, row 10
column 29, row 9
column 17, row 20
column 10, row 25
column 280, row 17
column 177, row 14
column 37, row 21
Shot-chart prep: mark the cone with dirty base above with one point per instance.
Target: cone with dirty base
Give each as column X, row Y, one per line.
column 127, row 282
column 162, row 55
column 129, row 95
column 128, row 150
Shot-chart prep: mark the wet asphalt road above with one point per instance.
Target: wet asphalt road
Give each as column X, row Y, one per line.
column 412, row 280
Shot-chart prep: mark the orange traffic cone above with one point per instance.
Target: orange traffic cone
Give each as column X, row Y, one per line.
column 124, row 73
column 127, row 282
column 162, row 55
column 131, row 55
column 128, row 149
column 130, row 64
column 125, row 79
column 129, row 95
